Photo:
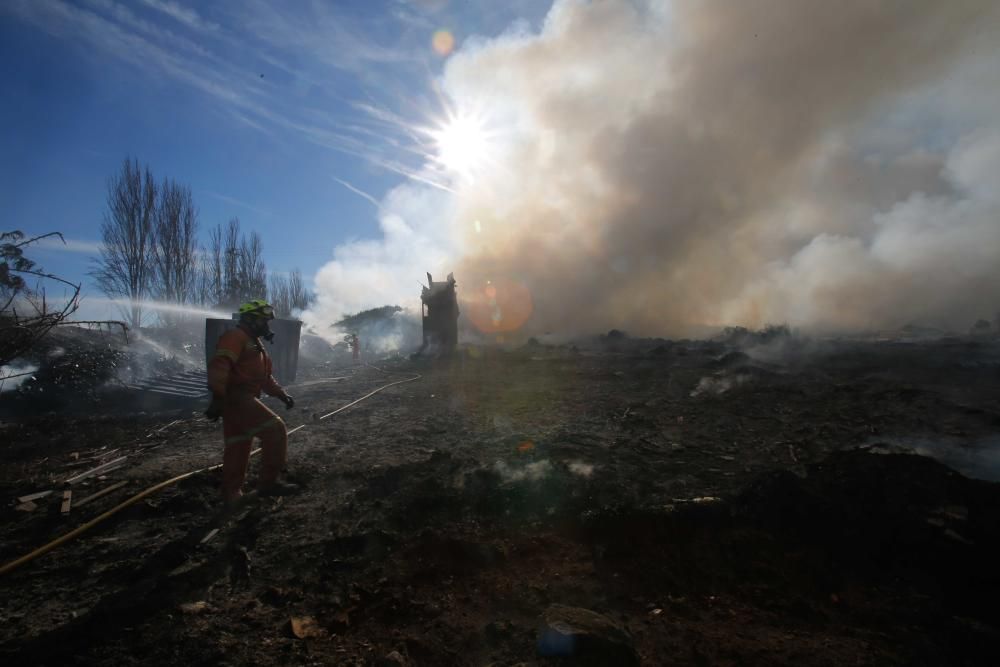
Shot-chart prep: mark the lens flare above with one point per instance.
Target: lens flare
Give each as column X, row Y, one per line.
column 499, row 306
column 443, row 42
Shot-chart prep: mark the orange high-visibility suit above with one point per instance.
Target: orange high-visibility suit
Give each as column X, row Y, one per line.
column 237, row 374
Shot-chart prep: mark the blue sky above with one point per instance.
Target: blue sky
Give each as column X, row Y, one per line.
column 601, row 157
column 266, row 110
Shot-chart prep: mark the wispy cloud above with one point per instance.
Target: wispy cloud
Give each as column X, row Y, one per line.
column 178, row 12
column 82, row 246
column 358, row 191
column 237, row 202
column 114, row 29
column 225, row 64
column 128, row 19
column 325, row 32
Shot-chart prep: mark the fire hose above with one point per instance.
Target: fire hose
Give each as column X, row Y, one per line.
column 79, row 530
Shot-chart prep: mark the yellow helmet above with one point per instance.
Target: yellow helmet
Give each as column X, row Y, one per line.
column 258, row 307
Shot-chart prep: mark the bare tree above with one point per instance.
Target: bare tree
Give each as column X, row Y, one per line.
column 231, row 263
column 25, row 313
column 204, row 289
column 222, row 262
column 214, row 282
column 278, row 295
column 288, row 294
column 175, row 245
column 235, row 266
column 125, row 267
column 299, row 297
column 252, row 271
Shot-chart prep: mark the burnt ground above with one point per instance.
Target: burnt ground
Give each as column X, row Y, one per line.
column 726, row 507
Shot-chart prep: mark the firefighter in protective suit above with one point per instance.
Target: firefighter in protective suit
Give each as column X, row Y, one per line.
column 237, row 373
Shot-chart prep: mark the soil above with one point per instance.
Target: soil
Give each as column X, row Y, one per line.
column 725, row 505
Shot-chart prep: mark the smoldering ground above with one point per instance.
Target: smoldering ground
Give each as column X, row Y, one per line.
column 662, row 166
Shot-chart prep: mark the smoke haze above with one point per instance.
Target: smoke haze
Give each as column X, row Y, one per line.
column 664, row 167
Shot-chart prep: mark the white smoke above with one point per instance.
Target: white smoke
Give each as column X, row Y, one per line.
column 928, row 256
column 414, row 222
column 12, row 375
column 531, row 472
column 658, row 166
column 718, row 385
column 581, row 469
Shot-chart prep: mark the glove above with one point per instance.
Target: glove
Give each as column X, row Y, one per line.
column 214, row 410
column 289, row 401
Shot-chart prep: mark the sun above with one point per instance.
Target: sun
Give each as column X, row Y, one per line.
column 463, row 145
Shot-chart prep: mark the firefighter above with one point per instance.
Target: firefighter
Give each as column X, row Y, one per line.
column 356, row 346
column 237, row 373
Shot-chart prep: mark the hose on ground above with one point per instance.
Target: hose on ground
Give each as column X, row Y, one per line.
column 81, row 529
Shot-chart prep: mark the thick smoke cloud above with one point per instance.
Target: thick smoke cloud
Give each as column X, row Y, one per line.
column 663, row 167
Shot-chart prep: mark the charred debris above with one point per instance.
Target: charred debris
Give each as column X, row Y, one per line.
column 752, row 498
column 439, row 302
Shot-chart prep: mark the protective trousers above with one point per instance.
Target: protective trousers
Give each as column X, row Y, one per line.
column 243, row 419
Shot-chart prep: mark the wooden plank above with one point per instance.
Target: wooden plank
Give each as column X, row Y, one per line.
column 95, row 471
column 104, row 473
column 184, row 382
column 161, row 430
column 174, row 392
column 89, row 460
column 67, row 502
column 34, row 496
column 100, row 494
column 102, row 455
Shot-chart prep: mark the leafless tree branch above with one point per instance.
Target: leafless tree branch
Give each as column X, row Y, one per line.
column 19, row 332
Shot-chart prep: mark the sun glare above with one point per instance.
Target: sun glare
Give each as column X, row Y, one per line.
column 463, row 145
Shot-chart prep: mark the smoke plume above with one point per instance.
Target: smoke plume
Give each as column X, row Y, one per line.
column 661, row 167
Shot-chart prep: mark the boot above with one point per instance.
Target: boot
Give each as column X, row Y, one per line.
column 278, row 488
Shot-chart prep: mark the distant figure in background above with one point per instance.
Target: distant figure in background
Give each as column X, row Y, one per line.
column 237, row 374
column 356, row 346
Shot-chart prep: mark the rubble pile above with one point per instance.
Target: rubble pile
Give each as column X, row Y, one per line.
column 75, row 368
column 92, row 371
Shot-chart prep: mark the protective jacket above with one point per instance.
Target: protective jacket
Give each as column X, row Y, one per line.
column 238, row 372
column 241, row 365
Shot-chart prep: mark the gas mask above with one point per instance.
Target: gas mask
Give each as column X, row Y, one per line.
column 265, row 330
column 259, row 326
